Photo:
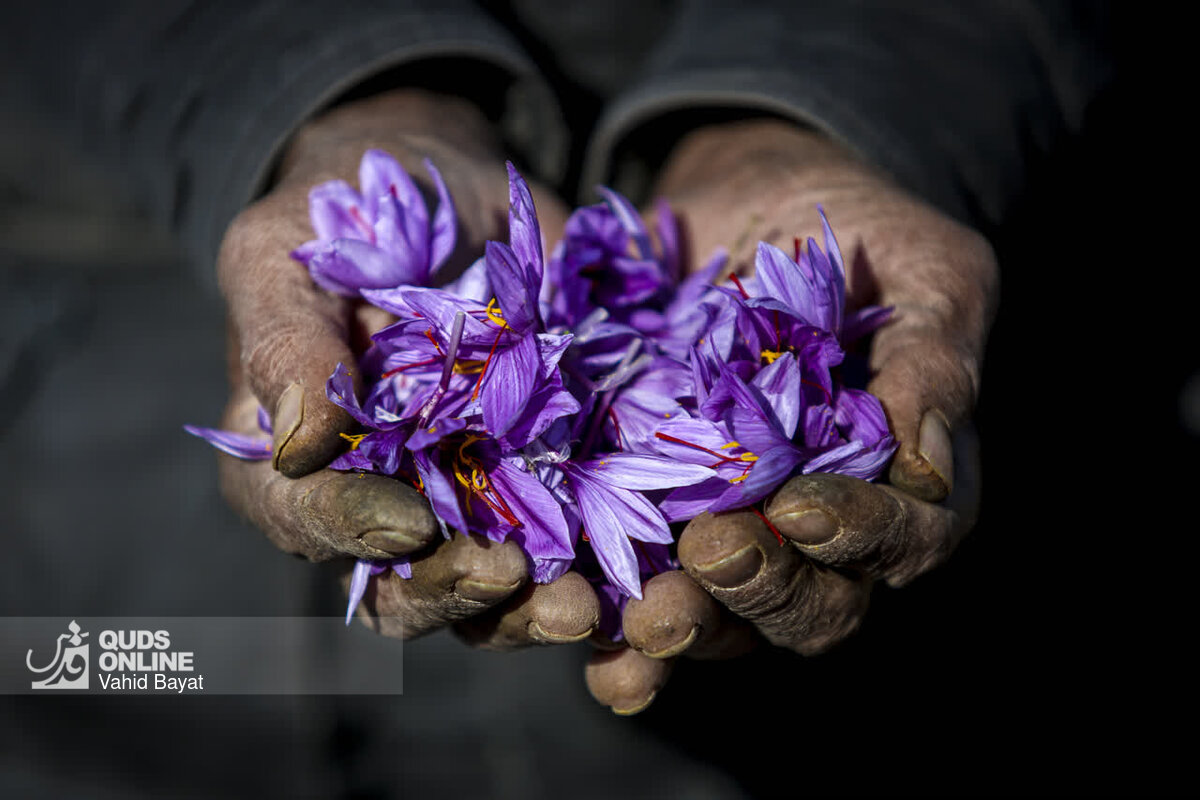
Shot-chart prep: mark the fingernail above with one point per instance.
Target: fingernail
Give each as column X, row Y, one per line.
column 676, row 648
column 733, row 570
column 933, row 443
column 634, row 709
column 289, row 413
column 810, row 526
column 390, row 541
column 482, row 592
column 540, row 634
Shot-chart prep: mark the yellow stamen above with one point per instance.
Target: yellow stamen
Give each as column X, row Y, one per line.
column 731, row 444
column 748, row 457
column 770, row 355
column 495, row 313
column 353, row 438
column 469, row 366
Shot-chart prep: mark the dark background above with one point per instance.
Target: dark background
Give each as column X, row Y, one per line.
column 1050, row 656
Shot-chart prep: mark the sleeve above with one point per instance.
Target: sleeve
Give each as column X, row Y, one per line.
column 953, row 99
column 194, row 101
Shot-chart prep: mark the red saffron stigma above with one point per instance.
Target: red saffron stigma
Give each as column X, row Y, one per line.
column 486, row 363
column 429, row 336
column 738, row 283
column 767, row 522
column 616, row 424
column 666, row 437
column 362, row 223
column 796, row 244
column 824, row 391
column 502, row 509
column 413, row 365
column 641, row 546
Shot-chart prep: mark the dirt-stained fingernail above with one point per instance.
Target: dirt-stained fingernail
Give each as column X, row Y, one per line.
column 483, row 592
column 540, row 634
column 637, row 707
column 935, row 446
column 733, row 570
column 675, row 648
column 810, row 526
column 390, row 541
column 289, row 413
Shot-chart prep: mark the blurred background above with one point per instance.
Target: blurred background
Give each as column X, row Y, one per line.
column 1048, row 657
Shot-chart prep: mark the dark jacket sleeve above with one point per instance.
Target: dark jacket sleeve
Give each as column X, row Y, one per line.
column 193, row 101
column 952, row 98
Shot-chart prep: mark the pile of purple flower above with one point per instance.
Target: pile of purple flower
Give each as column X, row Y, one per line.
column 579, row 405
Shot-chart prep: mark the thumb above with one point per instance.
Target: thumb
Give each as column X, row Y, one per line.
column 289, row 335
column 927, row 360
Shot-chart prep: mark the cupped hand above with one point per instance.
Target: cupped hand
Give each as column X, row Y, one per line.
column 734, row 185
column 286, row 337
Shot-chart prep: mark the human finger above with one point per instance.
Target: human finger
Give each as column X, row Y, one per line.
column 291, row 334
column 325, row 514
column 941, row 278
column 625, row 680
column 792, row 601
column 456, row 579
column 565, row 610
column 841, row 521
column 677, row 617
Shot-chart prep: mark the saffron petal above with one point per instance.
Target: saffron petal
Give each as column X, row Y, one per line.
column 516, row 294
column 645, row 473
column 444, row 230
column 630, row 220
column 440, row 492
column 524, row 233
column 329, row 207
column 250, row 448
column 607, row 535
column 543, row 532
column 358, row 586
column 508, row 382
column 345, row 266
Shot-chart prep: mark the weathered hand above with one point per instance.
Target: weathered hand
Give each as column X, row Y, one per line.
column 286, row 337
column 841, row 533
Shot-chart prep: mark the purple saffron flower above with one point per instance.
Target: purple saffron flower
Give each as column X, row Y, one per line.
column 812, row 287
column 382, row 237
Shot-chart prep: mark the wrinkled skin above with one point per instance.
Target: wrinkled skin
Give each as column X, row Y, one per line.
column 286, row 336
column 739, row 587
column 840, row 534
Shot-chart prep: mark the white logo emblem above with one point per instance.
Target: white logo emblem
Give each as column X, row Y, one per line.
column 69, row 668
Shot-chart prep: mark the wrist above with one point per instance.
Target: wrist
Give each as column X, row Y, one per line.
column 762, row 151
column 409, row 123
